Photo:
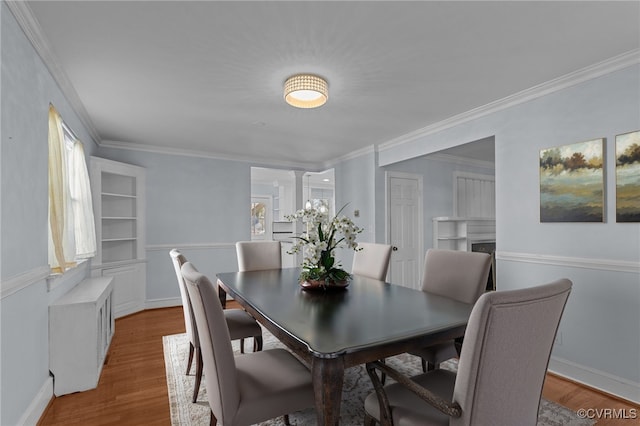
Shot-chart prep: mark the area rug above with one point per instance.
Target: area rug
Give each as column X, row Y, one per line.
column 357, row 386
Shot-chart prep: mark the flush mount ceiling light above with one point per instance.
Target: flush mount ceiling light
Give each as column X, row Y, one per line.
column 306, row 91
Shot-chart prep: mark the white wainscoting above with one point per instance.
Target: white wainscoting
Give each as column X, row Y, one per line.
column 594, row 378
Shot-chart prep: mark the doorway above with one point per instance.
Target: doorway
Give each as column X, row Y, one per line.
column 261, row 219
column 405, row 227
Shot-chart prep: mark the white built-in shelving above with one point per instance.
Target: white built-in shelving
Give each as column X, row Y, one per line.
column 118, row 197
column 459, row 233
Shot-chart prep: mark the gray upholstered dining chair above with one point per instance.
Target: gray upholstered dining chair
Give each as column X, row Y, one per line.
column 241, row 325
column 459, row 275
column 372, row 260
column 501, row 369
column 258, row 255
column 249, row 388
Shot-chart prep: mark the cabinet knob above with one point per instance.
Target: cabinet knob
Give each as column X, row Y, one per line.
column 394, row 248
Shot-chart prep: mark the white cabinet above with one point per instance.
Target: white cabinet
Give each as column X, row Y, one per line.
column 458, row 233
column 119, row 210
column 81, row 325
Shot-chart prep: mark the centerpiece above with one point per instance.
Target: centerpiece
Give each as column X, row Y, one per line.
column 322, row 236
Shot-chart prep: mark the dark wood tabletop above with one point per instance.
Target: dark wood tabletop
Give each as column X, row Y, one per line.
column 334, row 330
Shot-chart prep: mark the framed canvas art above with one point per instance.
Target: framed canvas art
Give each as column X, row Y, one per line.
column 628, row 177
column 572, row 183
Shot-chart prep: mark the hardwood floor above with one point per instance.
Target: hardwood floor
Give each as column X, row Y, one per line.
column 133, row 390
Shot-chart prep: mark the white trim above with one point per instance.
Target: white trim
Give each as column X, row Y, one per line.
column 18, row 282
column 38, row 405
column 205, row 154
column 162, row 303
column 571, row 262
column 596, row 70
column 29, row 24
column 190, row 246
column 55, row 280
column 596, row 379
column 350, row 156
column 387, row 200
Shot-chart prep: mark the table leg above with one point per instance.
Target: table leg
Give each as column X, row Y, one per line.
column 222, row 295
column 328, row 376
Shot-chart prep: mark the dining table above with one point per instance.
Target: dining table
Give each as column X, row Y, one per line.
column 335, row 329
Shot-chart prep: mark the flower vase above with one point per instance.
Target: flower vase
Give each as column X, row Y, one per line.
column 323, row 285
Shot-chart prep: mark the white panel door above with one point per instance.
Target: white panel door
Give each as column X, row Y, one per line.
column 405, row 229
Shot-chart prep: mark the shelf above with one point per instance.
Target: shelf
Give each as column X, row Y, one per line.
column 119, row 218
column 458, row 233
column 112, row 194
column 109, row 240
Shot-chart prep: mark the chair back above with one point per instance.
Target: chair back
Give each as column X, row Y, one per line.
column 189, row 320
column 372, row 261
column 460, row 275
column 220, row 376
column 505, row 354
column 258, row 255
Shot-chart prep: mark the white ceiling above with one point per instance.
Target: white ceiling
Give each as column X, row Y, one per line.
column 207, row 76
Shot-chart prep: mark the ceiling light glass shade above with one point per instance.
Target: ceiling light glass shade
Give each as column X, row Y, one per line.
column 306, row 91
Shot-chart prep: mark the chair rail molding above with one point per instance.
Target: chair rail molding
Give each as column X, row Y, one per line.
column 190, row 246
column 16, row 283
column 573, row 262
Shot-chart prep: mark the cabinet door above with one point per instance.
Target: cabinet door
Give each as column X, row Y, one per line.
column 128, row 288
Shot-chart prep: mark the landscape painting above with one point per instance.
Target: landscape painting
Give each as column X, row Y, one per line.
column 628, row 177
column 572, row 183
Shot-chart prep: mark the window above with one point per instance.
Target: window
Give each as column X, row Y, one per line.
column 71, row 224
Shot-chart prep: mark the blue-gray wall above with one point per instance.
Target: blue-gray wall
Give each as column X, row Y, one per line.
column 600, row 342
column 198, row 205
column 27, row 89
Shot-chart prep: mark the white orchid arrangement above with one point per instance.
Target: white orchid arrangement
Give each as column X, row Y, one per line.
column 318, row 242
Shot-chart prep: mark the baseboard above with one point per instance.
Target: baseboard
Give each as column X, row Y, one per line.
column 38, row 405
column 163, row 303
column 596, row 379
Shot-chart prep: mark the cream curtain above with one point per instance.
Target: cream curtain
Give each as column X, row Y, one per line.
column 80, row 190
column 72, row 232
column 57, row 192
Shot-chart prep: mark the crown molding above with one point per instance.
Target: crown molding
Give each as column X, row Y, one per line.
column 610, row 65
column 32, row 30
column 205, row 154
column 351, row 155
column 29, row 24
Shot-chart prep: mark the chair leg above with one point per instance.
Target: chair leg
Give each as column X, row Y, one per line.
column 286, row 420
column 241, row 346
column 369, row 420
column 458, row 345
column 191, row 348
column 427, row 366
column 257, row 343
column 196, row 387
